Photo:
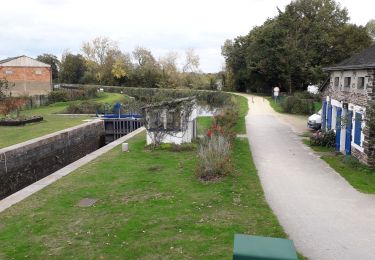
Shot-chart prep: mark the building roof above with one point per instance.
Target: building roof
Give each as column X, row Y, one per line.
column 22, row 61
column 363, row 60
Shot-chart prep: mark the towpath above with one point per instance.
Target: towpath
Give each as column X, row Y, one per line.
column 319, row 210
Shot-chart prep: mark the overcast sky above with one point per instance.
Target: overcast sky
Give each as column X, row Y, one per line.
column 33, row 27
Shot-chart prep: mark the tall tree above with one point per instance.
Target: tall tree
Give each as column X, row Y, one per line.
column 290, row 50
column 370, row 26
column 72, row 69
column 53, row 61
column 170, row 75
column 100, row 55
column 147, row 71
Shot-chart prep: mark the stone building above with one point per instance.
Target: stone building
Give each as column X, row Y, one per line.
column 29, row 76
column 171, row 121
column 348, row 97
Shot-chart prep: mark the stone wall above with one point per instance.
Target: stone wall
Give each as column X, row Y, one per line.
column 25, row 163
column 358, row 97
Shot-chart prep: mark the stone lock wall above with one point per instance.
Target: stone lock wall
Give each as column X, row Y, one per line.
column 25, row 163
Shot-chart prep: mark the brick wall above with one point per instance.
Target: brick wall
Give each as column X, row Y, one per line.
column 25, row 163
column 28, row 80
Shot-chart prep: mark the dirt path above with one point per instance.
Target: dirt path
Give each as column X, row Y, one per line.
column 321, row 212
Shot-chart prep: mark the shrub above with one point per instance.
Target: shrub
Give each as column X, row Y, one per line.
column 58, row 96
column 323, row 138
column 85, row 107
column 295, row 105
column 214, row 158
column 11, row 104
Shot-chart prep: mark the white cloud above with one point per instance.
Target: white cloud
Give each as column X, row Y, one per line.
column 33, row 27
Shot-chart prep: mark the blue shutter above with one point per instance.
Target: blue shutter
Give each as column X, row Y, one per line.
column 338, row 128
column 324, row 114
column 329, row 117
column 357, row 128
column 348, row 137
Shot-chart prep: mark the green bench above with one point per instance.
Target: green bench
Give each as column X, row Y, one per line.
column 255, row 247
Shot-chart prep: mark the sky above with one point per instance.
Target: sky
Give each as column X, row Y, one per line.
column 34, row 27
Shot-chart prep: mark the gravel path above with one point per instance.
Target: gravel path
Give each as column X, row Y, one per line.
column 320, row 211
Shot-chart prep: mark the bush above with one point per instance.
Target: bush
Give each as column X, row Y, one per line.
column 58, row 96
column 81, row 93
column 85, row 107
column 214, row 158
column 295, row 105
column 323, row 138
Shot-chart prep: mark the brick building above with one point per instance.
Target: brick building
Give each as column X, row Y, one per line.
column 30, row 76
column 348, row 102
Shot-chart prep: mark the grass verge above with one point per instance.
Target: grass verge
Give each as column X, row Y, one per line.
column 150, row 205
column 357, row 174
column 360, row 176
column 16, row 134
column 243, row 106
column 275, row 105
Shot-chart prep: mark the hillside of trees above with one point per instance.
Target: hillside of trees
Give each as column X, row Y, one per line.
column 102, row 62
column 291, row 49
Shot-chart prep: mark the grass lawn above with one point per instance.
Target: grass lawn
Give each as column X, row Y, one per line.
column 357, row 174
column 275, row 105
column 320, row 149
column 150, row 206
column 243, row 108
column 16, row 134
column 203, row 123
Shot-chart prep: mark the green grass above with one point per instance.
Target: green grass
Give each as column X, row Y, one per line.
column 360, row 176
column 320, row 149
column 317, row 106
column 203, row 123
column 16, row 134
column 357, row 174
column 242, row 103
column 150, row 206
column 275, row 105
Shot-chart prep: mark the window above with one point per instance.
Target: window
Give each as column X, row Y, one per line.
column 38, row 72
column 347, row 81
column 361, row 83
column 8, row 72
column 337, row 82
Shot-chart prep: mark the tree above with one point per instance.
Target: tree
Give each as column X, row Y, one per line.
column 290, row 50
column 72, row 69
column 370, row 26
column 53, row 61
column 8, row 104
column 147, row 71
column 191, row 61
column 4, row 89
column 101, row 54
column 170, row 75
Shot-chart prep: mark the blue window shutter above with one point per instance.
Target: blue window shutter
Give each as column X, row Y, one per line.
column 357, row 129
column 338, row 128
column 329, row 117
column 348, row 135
column 324, row 116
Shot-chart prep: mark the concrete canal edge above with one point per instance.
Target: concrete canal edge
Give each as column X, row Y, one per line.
column 39, row 185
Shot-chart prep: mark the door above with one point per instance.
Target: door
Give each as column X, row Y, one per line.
column 338, row 128
column 348, row 134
